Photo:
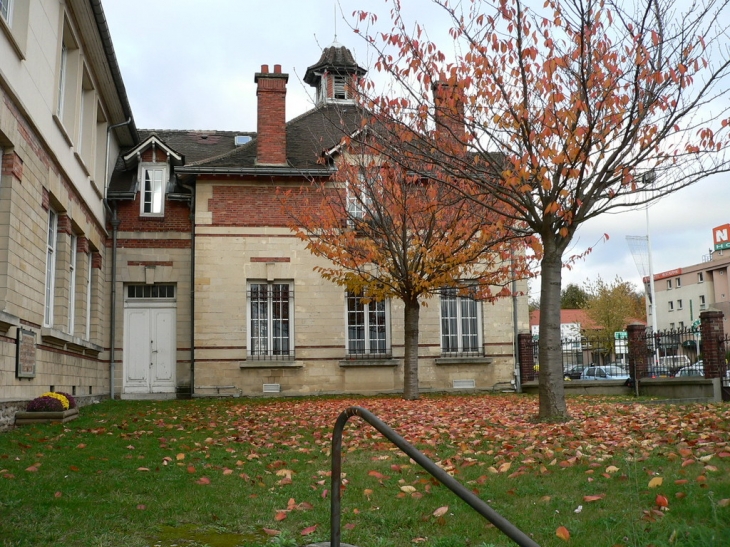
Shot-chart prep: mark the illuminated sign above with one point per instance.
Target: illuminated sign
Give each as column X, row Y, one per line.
column 721, row 237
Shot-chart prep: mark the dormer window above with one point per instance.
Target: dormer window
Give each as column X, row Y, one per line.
column 152, row 188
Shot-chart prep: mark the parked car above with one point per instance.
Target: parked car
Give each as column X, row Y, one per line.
column 698, row 369
column 670, row 364
column 608, row 372
column 575, row 372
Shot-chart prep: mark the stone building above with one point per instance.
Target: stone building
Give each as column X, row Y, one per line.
column 154, row 263
column 64, row 116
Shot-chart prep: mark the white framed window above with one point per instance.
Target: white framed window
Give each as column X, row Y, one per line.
column 679, row 304
column 368, row 326
column 671, row 326
column 669, row 284
column 72, row 286
column 6, row 11
column 678, row 282
column 703, row 302
column 270, row 321
column 700, row 277
column 357, row 199
column 153, row 178
column 87, row 330
column 461, row 323
column 681, row 325
column 671, row 306
column 51, row 241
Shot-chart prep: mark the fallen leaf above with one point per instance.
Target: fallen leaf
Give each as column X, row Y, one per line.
column 594, row 498
column 308, row 530
column 58, row 495
column 280, row 515
column 141, row 507
column 349, row 526
column 656, row 482
column 270, row 532
column 661, row 501
column 180, row 457
column 203, row 480
column 367, row 492
column 377, row 475
column 505, row 467
column 191, row 469
column 32, row 468
column 724, row 502
column 611, row 469
column 143, row 469
column 441, row 511
column 408, row 488
column 562, row 533
column 81, row 445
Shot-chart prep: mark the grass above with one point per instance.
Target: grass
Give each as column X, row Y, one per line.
column 227, row 473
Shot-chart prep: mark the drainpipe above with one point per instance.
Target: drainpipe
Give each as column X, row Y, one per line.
column 192, row 287
column 115, row 226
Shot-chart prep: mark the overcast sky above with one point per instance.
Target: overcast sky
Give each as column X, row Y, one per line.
column 189, row 64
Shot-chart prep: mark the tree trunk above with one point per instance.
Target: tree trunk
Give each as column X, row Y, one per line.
column 410, row 359
column 550, row 349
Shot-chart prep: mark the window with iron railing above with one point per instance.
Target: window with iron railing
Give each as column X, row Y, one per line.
column 270, row 325
column 460, row 324
column 368, row 327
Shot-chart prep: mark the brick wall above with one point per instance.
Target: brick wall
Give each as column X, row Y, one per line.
column 271, row 116
column 176, row 218
column 255, row 206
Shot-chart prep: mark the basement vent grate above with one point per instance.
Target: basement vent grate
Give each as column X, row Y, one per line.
column 272, row 388
column 465, row 384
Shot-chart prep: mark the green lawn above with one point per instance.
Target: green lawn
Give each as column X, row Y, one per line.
column 240, row 472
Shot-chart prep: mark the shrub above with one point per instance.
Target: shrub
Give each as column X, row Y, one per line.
column 71, row 400
column 45, row 404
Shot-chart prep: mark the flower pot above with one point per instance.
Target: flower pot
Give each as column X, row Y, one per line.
column 46, row 417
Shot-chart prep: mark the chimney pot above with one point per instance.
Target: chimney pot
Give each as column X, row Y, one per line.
column 277, row 69
column 264, row 69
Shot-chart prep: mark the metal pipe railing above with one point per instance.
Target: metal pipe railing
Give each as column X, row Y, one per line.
column 505, row 526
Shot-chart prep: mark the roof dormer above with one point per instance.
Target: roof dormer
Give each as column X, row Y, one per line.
column 334, row 75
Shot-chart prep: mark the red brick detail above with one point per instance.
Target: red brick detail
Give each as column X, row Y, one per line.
column 160, row 156
column 271, row 116
column 713, row 339
column 96, row 260
column 64, row 224
column 638, row 352
column 149, row 263
column 46, row 200
column 151, row 243
column 270, row 259
column 82, row 244
column 254, row 206
column 12, row 165
column 176, row 218
column 526, row 356
column 37, row 148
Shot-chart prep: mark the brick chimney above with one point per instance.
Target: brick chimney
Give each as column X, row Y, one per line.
column 449, row 116
column 271, row 116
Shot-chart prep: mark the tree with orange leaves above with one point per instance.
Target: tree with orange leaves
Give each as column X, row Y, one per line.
column 390, row 234
column 590, row 106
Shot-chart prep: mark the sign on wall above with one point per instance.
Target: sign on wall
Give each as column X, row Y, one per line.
column 25, row 354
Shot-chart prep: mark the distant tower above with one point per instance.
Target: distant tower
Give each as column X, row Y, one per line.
column 334, row 75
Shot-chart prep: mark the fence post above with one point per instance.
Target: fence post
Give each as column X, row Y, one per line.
column 638, row 352
column 526, row 357
column 713, row 338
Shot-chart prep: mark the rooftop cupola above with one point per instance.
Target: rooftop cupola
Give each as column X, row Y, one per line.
column 334, row 75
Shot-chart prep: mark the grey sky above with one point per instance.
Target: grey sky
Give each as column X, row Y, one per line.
column 189, row 64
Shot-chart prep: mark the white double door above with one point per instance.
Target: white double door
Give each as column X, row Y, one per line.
column 149, row 348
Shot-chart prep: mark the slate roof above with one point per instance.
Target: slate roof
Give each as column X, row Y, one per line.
column 333, row 58
column 307, row 138
column 194, row 146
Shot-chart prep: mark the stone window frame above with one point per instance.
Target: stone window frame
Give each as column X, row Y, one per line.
column 383, row 347
column 159, row 192
column 452, row 303
column 269, row 300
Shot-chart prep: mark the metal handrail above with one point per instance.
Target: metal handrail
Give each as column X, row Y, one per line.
column 505, row 526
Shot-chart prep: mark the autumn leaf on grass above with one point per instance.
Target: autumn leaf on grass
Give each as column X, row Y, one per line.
column 203, row 480
column 59, row 494
column 724, row 502
column 594, row 497
column 81, row 445
column 286, row 473
column 349, row 526
column 562, row 533
column 270, row 532
column 143, row 469
column 505, row 467
column 367, row 492
column 441, row 511
column 280, row 515
column 661, row 501
column 308, row 530
column 33, row 468
column 377, row 475
column 180, row 457
column 408, row 488
column 611, row 469
column 655, row 482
